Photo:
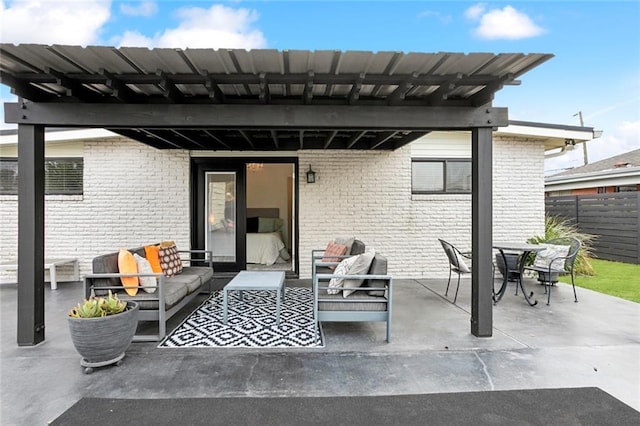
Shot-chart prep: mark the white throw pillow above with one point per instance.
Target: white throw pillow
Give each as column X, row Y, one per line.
column 148, row 284
column 551, row 251
column 461, row 263
column 360, row 266
column 335, row 285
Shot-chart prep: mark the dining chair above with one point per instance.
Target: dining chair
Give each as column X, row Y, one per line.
column 456, row 264
column 557, row 259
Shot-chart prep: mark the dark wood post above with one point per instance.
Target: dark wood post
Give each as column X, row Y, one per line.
column 30, row 234
column 481, row 232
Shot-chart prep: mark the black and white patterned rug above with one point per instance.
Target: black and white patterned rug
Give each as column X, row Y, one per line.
column 251, row 322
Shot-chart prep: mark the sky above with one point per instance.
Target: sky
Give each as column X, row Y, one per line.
column 594, row 75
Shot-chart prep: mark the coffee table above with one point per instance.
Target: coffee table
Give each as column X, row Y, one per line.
column 252, row 281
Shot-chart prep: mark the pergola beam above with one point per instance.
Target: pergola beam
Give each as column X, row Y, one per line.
column 255, row 116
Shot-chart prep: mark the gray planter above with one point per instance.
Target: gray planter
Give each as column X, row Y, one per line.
column 544, row 277
column 103, row 341
column 512, row 263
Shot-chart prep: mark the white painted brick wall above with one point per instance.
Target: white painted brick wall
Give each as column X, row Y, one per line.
column 133, row 195
column 368, row 195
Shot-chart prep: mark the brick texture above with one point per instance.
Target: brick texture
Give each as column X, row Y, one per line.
column 135, row 194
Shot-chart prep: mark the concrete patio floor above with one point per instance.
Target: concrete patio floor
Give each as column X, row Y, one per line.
column 595, row 342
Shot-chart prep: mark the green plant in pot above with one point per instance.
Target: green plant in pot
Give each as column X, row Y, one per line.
column 102, row 329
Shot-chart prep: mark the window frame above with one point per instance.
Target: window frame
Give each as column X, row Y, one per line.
column 64, row 191
column 444, row 162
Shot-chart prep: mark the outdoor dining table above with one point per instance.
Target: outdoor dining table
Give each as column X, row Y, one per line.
column 523, row 250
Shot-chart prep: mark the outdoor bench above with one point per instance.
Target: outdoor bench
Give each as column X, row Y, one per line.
column 171, row 295
column 369, row 302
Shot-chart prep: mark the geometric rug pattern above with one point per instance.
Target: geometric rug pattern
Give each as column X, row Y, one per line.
column 251, row 322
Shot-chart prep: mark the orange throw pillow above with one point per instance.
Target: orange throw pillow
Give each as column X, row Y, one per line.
column 127, row 265
column 152, row 253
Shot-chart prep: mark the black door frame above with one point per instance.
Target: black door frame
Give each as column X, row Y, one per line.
column 202, row 165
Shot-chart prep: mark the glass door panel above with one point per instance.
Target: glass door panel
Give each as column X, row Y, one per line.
column 220, row 205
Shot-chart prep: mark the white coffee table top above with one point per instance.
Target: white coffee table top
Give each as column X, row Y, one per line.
column 256, row 280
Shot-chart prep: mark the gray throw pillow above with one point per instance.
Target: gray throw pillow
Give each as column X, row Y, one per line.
column 346, row 241
column 359, row 267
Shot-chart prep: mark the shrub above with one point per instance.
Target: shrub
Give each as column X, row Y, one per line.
column 557, row 227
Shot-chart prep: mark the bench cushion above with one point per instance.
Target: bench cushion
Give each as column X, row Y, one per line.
column 204, row 272
column 174, row 292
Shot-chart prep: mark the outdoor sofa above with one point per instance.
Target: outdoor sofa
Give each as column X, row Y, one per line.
column 170, row 295
column 368, row 297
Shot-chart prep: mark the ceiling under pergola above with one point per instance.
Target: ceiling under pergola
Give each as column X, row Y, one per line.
column 367, row 85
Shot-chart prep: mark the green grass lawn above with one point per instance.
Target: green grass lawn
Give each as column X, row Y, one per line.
column 613, row 278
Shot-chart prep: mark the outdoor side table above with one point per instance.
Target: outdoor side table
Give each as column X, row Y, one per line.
column 51, row 265
column 252, row 281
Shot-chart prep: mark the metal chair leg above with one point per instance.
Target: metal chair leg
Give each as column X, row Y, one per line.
column 575, row 296
column 457, row 288
column 448, row 282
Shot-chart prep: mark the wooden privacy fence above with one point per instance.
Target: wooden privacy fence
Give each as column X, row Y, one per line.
column 613, row 218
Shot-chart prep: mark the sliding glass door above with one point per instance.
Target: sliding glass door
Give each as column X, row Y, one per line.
column 220, row 219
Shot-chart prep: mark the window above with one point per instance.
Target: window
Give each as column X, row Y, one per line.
column 62, row 176
column 626, row 188
column 440, row 176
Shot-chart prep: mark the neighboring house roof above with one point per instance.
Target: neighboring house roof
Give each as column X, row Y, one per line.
column 623, row 169
column 555, row 136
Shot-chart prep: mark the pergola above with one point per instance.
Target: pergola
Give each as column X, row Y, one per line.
column 257, row 100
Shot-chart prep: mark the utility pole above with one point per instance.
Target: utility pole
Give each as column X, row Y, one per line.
column 584, row 144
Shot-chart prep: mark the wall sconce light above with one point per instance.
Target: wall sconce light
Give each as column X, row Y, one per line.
column 311, row 175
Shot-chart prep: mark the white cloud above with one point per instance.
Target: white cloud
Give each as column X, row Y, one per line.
column 145, row 8
column 72, row 22
column 506, row 23
column 444, row 19
column 216, row 27
column 475, row 11
column 626, row 137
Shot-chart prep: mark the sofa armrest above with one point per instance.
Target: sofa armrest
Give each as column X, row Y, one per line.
column 327, row 277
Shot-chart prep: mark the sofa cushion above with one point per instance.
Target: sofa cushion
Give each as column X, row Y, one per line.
column 190, row 281
column 174, row 292
column 334, row 249
column 335, row 284
column 551, row 251
column 152, row 253
column 359, row 267
column 170, row 259
column 378, row 267
column 148, row 284
column 127, row 265
column 205, row 273
column 345, row 241
column 358, row 247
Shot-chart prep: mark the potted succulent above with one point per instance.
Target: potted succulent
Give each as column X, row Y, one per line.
column 102, row 329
